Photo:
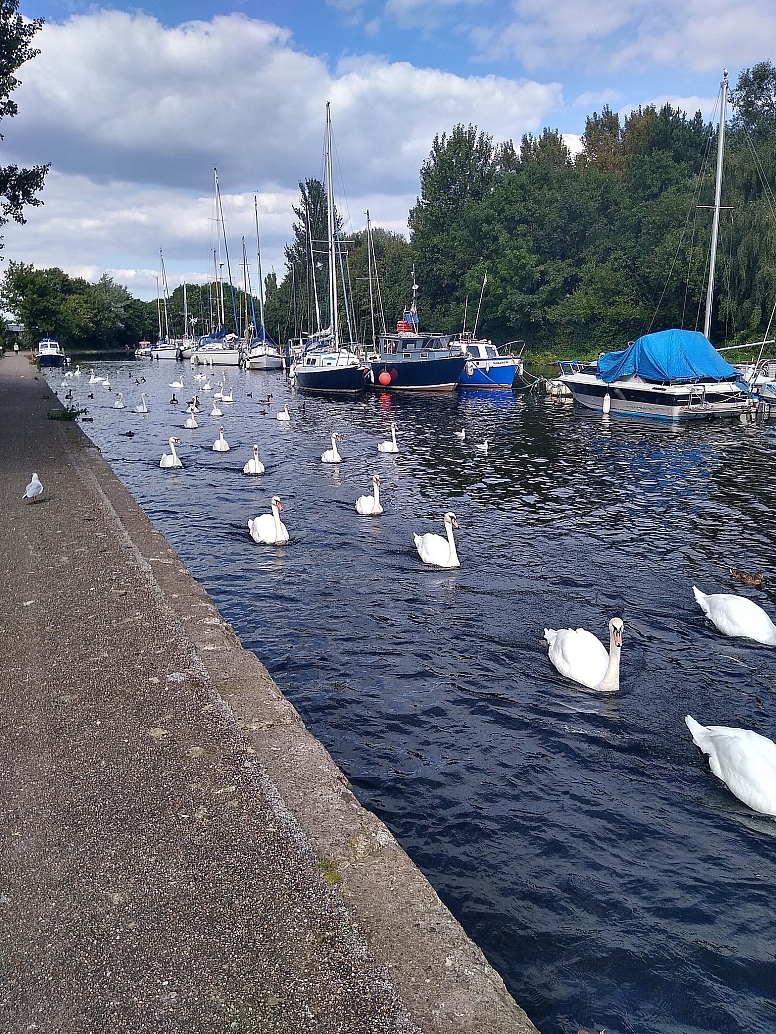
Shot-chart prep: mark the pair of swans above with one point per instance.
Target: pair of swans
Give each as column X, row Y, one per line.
column 119, row 403
column 171, row 459
column 254, row 464
column 221, row 444
column 143, row 406
column 437, row 551
column 268, row 527
column 580, row 656
column 369, row 505
column 390, row 446
column 332, row 455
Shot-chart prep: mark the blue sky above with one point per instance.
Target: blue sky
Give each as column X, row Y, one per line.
column 134, row 104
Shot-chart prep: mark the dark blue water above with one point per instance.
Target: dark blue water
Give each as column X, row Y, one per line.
column 581, row 841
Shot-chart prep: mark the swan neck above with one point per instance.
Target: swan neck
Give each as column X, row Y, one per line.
column 451, row 540
column 611, row 680
column 377, row 493
column 276, row 515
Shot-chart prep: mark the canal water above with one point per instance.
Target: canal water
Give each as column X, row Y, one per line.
column 582, row 841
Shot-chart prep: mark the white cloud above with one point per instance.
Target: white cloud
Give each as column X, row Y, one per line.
column 699, row 35
column 134, row 115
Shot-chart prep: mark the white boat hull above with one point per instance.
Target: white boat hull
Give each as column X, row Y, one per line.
column 217, row 356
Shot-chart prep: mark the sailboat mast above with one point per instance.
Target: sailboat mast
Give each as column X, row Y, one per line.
column 369, row 260
column 164, row 297
column 226, row 252
column 185, row 315
column 158, row 309
column 258, row 262
column 330, row 208
column 717, row 197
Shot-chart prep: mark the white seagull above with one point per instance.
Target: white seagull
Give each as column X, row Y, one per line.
column 34, row 490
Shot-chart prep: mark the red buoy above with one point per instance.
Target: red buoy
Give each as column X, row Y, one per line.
column 384, row 378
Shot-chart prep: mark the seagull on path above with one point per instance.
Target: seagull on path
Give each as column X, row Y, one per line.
column 34, row 489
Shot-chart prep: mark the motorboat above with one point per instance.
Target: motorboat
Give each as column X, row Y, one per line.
column 486, row 367
column 415, row 360
column 673, row 374
column 49, row 353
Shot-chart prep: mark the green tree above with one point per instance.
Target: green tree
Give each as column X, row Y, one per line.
column 18, row 187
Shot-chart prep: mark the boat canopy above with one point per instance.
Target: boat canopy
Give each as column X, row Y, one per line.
column 675, row 356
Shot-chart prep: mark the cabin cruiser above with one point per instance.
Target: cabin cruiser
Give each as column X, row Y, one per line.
column 486, row 367
column 49, row 353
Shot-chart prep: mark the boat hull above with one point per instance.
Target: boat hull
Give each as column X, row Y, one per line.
column 660, row 401
column 331, row 380
column 440, row 374
column 48, row 361
column 217, row 356
column 493, row 373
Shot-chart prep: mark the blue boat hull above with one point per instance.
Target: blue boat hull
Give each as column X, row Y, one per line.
column 418, row 374
column 490, row 375
column 340, row 380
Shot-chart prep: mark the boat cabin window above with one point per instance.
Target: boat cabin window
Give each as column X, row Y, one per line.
column 491, row 352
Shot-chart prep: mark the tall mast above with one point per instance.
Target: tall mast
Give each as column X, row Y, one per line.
column 226, row 252
column 158, row 309
column 164, row 297
column 258, row 263
column 717, row 196
column 185, row 315
column 369, row 260
column 330, row 207
column 311, row 274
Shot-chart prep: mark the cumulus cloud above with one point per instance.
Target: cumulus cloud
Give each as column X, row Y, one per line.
column 700, row 35
column 134, row 115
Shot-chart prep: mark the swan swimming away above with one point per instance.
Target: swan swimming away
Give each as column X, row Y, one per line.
column 268, row 527
column 143, row 407
column 220, row 444
column 215, row 411
column 254, row 464
column 579, row 655
column 171, row 459
column 229, row 399
column 369, row 505
column 284, row 414
column 191, row 421
column 34, row 490
column 737, row 616
column 436, row 550
column 390, row 446
column 119, row 403
column 744, row 760
column 331, row 455
column 206, row 386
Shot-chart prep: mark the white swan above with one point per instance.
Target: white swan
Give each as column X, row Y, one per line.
column 106, row 383
column 191, row 421
column 34, row 489
column 482, row 446
column 143, row 407
column 229, row 399
column 220, row 444
column 331, row 455
column 119, row 403
column 436, row 550
column 77, row 371
column 460, row 434
column 171, row 459
column 284, row 414
column 390, row 446
column 744, row 760
column 254, row 464
column 93, row 379
column 268, row 527
column 737, row 616
column 215, row 411
column 176, row 384
column 220, row 393
column 369, row 505
column 206, row 386
column 579, row 655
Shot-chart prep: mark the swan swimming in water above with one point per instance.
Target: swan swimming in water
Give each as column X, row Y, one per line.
column 119, row 403
column 176, row 384
column 436, row 550
column 744, row 760
column 737, row 616
column 228, row 399
column 254, row 464
column 482, row 446
column 460, row 434
column 93, row 379
column 390, row 446
column 171, row 459
column 220, row 444
column 268, row 527
column 34, row 490
column 579, row 655
column 331, row 455
column 369, row 505
column 143, row 407
column 215, row 411
column 191, row 421
column 284, row 414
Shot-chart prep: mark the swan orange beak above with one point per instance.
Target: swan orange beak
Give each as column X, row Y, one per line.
column 617, row 636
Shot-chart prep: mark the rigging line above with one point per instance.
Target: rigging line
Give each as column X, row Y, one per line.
column 768, row 192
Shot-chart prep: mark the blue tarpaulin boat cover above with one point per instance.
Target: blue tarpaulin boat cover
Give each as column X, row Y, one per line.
column 669, row 356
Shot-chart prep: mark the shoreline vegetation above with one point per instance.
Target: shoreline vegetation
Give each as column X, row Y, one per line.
column 575, row 255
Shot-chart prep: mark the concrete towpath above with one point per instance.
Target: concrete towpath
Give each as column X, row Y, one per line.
column 177, row 852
